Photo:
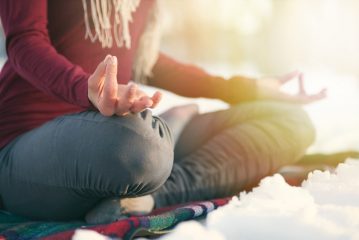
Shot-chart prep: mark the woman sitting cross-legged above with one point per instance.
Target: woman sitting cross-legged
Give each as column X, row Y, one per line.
column 77, row 140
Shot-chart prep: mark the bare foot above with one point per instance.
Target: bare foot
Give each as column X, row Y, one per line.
column 138, row 205
column 114, row 209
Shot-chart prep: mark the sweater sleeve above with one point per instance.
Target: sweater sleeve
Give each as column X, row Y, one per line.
column 191, row 81
column 33, row 57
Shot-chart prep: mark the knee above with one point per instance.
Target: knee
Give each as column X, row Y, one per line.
column 286, row 127
column 141, row 157
column 295, row 129
column 299, row 125
column 153, row 157
column 290, row 119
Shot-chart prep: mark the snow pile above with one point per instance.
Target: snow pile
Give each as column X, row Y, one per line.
column 325, row 207
column 194, row 231
column 341, row 188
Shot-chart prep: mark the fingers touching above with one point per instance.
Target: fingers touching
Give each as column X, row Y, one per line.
column 315, row 97
column 113, row 98
column 302, row 96
column 143, row 101
column 156, row 98
column 132, row 93
column 141, row 104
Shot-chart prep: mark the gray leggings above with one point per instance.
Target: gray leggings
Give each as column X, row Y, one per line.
column 62, row 169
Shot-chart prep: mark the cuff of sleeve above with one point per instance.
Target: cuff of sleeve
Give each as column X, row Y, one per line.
column 82, row 94
column 240, row 89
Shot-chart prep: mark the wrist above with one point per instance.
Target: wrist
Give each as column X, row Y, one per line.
column 240, row 89
column 91, row 106
column 91, row 101
column 216, row 87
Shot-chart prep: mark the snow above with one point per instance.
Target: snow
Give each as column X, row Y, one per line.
column 325, row 207
column 346, row 181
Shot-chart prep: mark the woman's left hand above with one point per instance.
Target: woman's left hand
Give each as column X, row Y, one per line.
column 270, row 88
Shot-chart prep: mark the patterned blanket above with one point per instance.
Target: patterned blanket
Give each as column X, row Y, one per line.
column 159, row 222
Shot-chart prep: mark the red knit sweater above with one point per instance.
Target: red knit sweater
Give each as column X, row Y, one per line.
column 49, row 61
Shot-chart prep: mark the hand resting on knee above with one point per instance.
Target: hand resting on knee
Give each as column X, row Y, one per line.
column 111, row 98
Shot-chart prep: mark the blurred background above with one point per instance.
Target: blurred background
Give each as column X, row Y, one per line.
column 269, row 38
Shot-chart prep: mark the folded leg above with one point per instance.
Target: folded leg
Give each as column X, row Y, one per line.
column 62, row 169
column 222, row 153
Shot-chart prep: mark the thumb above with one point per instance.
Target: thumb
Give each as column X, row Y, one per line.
column 95, row 79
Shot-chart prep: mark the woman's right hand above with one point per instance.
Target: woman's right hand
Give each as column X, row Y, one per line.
column 111, row 98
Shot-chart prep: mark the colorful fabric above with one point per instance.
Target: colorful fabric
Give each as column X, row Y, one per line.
column 159, row 222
